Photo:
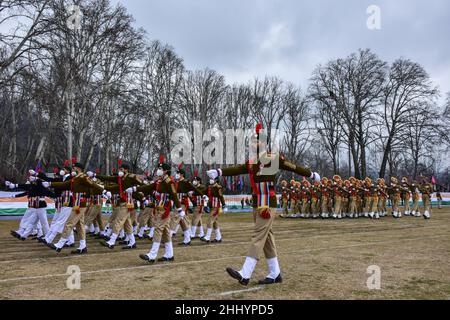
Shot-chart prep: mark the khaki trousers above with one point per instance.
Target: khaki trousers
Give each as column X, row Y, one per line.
column 360, row 204
column 213, row 221
column 324, row 204
column 406, row 198
column 285, row 208
column 353, row 206
column 175, row 219
column 415, row 206
column 298, row 206
column 263, row 237
column 197, row 217
column 75, row 220
column 94, row 214
column 314, row 206
column 305, row 206
column 337, row 205
column 122, row 220
column 426, row 202
column 133, row 217
column 368, row 204
column 395, row 202
column 162, row 226
column 374, row 206
column 380, row 204
column 146, row 217
column 344, row 205
column 294, row 205
column 113, row 215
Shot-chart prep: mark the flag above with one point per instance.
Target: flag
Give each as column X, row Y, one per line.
column 39, row 167
column 240, row 183
column 433, row 180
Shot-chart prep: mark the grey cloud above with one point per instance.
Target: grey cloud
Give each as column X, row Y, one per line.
column 288, row 38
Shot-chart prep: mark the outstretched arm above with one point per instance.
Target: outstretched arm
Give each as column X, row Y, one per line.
column 107, row 178
column 292, row 167
column 226, row 172
column 61, row 185
column 94, row 186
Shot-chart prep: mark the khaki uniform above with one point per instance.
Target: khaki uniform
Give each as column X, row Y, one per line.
column 263, row 237
column 315, row 205
column 264, row 201
column 124, row 204
column 197, row 201
column 285, row 201
column 415, row 197
column 215, row 195
column 382, row 198
column 406, row 195
column 94, row 212
column 353, row 197
column 426, row 190
column 183, row 187
column 338, row 194
column 79, row 185
column 165, row 194
column 394, row 194
column 146, row 217
column 306, row 208
column 324, row 199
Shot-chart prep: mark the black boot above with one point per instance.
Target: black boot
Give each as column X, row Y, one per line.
column 236, row 275
column 146, row 258
column 52, row 246
column 107, row 245
column 279, row 279
column 78, row 251
column 164, row 259
column 146, row 236
column 129, row 247
column 15, row 234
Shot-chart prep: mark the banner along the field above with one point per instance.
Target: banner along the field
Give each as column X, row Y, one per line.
column 17, row 206
column 11, row 206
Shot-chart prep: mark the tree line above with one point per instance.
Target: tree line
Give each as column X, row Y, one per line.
column 106, row 91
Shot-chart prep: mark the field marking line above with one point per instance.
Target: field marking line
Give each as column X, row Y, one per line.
column 233, row 242
column 229, row 293
column 209, row 260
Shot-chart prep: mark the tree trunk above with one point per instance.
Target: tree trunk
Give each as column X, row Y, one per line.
column 41, row 148
column 13, row 148
column 69, row 110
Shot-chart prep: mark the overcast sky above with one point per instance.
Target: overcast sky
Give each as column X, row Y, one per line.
column 242, row 39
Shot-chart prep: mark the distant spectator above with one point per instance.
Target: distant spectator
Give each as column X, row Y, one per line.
column 439, row 199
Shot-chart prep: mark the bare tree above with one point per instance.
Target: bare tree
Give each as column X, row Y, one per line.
column 34, row 22
column 352, row 86
column 408, row 86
